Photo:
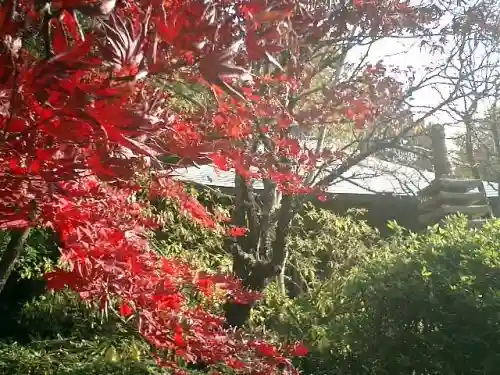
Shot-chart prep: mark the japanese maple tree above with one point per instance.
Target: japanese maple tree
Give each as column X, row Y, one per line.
column 302, row 85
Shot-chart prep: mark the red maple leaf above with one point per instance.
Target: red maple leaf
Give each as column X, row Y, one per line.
column 126, row 310
column 237, row 231
column 299, row 350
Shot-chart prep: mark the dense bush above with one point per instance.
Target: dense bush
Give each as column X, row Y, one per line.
column 419, row 305
column 40, row 254
column 68, row 358
column 66, row 337
column 181, row 237
column 429, row 304
column 323, row 244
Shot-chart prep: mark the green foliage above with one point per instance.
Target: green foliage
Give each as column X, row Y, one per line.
column 69, row 338
column 66, row 357
column 185, row 97
column 64, row 314
column 323, row 244
column 428, row 304
column 181, row 237
column 324, row 250
column 39, row 255
column 418, row 304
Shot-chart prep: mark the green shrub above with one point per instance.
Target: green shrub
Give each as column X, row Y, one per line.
column 181, row 237
column 67, row 337
column 419, row 305
column 322, row 244
column 429, row 304
column 69, row 357
column 64, row 314
column 39, row 254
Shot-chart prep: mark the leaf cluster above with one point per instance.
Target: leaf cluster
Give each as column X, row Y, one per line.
column 69, row 338
column 418, row 304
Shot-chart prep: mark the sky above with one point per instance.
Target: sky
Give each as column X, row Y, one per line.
column 402, row 53
column 407, row 52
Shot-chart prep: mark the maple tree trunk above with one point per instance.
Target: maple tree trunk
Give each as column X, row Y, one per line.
column 254, row 278
column 12, row 252
column 248, row 264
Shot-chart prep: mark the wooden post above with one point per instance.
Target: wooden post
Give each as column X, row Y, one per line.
column 440, row 160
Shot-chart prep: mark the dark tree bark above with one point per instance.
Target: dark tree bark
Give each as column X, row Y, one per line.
column 12, row 252
column 249, row 263
column 256, row 260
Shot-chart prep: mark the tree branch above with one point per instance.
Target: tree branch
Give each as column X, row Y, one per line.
column 279, row 249
column 12, row 252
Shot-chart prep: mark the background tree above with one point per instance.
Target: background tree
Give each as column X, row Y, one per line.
column 414, row 150
column 479, row 67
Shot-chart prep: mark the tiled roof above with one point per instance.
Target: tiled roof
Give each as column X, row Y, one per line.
column 491, row 189
column 371, row 176
column 375, row 176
